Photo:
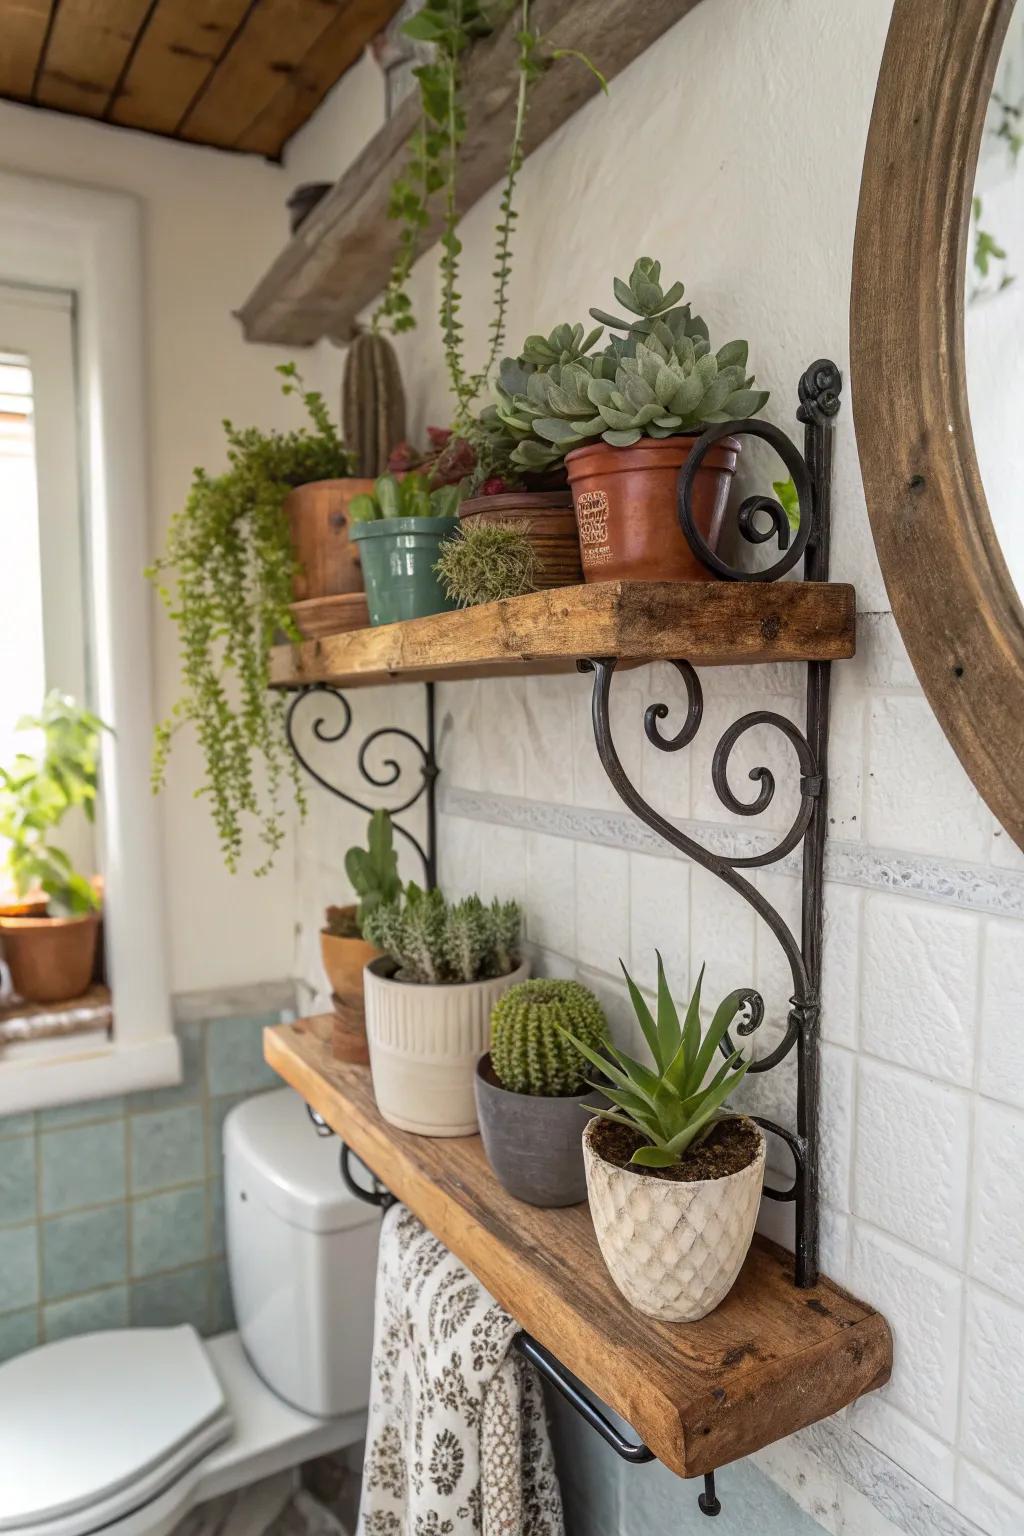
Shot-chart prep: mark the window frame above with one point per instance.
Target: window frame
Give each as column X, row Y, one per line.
column 59, row 235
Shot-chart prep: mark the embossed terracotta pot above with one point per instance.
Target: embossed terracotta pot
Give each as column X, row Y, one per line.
column 625, row 500
column 425, row 1043
column 673, row 1249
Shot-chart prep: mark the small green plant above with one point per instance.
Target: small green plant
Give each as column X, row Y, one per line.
column 411, row 496
column 672, row 1106
column 788, row 498
column 487, row 562
column 373, row 870
column 36, row 793
column 434, row 942
column 225, row 578
column 530, row 1049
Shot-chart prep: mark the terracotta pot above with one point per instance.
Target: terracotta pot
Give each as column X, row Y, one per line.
column 549, row 522
column 344, row 961
column 533, row 1143
column 319, row 523
column 50, row 958
column 674, row 1250
column 625, row 500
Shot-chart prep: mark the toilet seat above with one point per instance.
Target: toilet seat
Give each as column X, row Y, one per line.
column 96, row 1427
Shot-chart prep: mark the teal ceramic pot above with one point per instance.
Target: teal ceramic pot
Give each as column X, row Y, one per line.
column 398, row 555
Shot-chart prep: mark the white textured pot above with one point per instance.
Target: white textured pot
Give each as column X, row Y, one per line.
column 673, row 1249
column 425, row 1043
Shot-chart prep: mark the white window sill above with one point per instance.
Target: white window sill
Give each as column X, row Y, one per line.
column 41, row 1074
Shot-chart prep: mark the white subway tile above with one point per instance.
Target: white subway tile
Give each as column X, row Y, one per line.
column 502, row 863
column 458, row 863
column 838, row 1073
column 773, row 975
column 910, row 1171
column 721, row 936
column 1004, row 853
column 917, row 796
column 921, row 1302
column 834, row 1239
column 846, row 754
column 762, row 746
column 996, row 1253
column 591, row 785
column 503, row 735
column 602, row 906
column 919, row 986
column 1001, row 1073
column 659, row 918
column 840, row 968
column 882, row 659
column 548, row 740
column 921, row 1454
column 993, row 1408
column 981, row 1497
column 551, row 892
column 460, row 734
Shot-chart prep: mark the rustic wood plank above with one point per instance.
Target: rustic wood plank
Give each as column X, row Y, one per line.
column 337, row 262
column 177, row 53
column 22, row 34
column 714, row 623
column 952, row 594
column 300, row 93
column 770, row 1360
column 88, row 48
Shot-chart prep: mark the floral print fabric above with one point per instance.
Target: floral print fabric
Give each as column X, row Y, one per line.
column 457, row 1441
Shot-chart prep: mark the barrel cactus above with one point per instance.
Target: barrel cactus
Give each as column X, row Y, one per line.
column 529, row 1052
column 372, row 402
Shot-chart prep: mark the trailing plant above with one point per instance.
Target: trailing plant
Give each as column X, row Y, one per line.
column 38, row 791
column 530, row 1025
column 487, row 562
column 411, row 496
column 671, row 1105
column 226, row 579
column 433, row 942
column 373, row 870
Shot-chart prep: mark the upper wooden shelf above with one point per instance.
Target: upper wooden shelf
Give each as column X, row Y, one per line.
column 711, row 623
column 770, row 1360
column 339, row 259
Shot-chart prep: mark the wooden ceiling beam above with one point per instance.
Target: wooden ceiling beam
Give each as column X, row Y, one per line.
column 90, row 43
column 181, row 48
column 22, row 39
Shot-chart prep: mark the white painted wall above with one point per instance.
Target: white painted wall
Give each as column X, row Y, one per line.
column 733, row 151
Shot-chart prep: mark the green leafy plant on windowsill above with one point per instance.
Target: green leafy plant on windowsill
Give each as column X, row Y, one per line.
column 225, row 577
column 38, row 791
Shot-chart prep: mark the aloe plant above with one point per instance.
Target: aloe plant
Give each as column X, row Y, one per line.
column 670, row 1105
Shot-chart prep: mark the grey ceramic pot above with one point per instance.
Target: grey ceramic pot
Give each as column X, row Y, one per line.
column 534, row 1145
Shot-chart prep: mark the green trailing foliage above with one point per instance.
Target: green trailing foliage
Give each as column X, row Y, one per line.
column 38, row 791
column 434, row 942
column 487, row 562
column 672, row 1105
column 659, row 378
column 373, row 871
column 410, row 496
column 226, row 578
column 531, row 1051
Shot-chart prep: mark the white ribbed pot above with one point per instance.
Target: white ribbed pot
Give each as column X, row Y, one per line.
column 425, row 1043
column 673, row 1249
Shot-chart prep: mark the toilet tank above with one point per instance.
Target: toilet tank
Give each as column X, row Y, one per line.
column 302, row 1257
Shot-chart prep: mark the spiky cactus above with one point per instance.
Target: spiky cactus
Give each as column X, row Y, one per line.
column 433, row 943
column 372, row 402
column 529, row 1052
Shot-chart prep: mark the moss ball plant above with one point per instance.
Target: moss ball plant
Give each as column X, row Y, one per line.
column 485, row 563
column 529, row 1052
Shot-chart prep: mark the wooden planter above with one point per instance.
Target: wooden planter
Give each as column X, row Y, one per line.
column 549, row 523
column 328, row 588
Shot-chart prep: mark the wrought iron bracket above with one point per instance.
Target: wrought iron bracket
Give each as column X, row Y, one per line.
column 390, row 772
column 811, row 472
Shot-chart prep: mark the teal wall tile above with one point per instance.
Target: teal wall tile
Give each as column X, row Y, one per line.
column 18, row 1180
column 222, row 1308
column 166, row 1148
column 17, row 1125
column 81, row 1114
column 19, row 1267
column 217, row 1111
column 164, row 1300
column 215, row 1196
column 234, row 1055
column 18, row 1331
column 90, row 1313
column 84, row 1165
column 169, row 1230
column 84, row 1251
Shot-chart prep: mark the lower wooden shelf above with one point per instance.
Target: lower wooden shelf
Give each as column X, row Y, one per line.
column 770, row 1360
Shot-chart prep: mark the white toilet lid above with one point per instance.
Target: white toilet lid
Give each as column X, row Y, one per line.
column 94, row 1427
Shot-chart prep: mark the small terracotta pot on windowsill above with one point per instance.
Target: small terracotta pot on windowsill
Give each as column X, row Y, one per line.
column 51, row 959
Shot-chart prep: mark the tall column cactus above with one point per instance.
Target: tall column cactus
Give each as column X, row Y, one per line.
column 529, row 1052
column 372, row 402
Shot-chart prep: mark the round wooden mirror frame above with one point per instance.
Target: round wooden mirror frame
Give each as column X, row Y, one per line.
column 951, row 593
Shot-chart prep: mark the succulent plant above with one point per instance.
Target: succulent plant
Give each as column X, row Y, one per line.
column 433, row 942
column 530, row 1050
column 672, row 1106
column 372, row 401
column 409, row 497
column 486, row 562
column 373, row 870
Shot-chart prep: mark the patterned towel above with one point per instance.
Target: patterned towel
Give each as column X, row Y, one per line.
column 457, row 1439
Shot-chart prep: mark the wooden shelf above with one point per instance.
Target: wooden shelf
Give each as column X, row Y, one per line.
column 339, row 259
column 712, row 623
column 770, row 1360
